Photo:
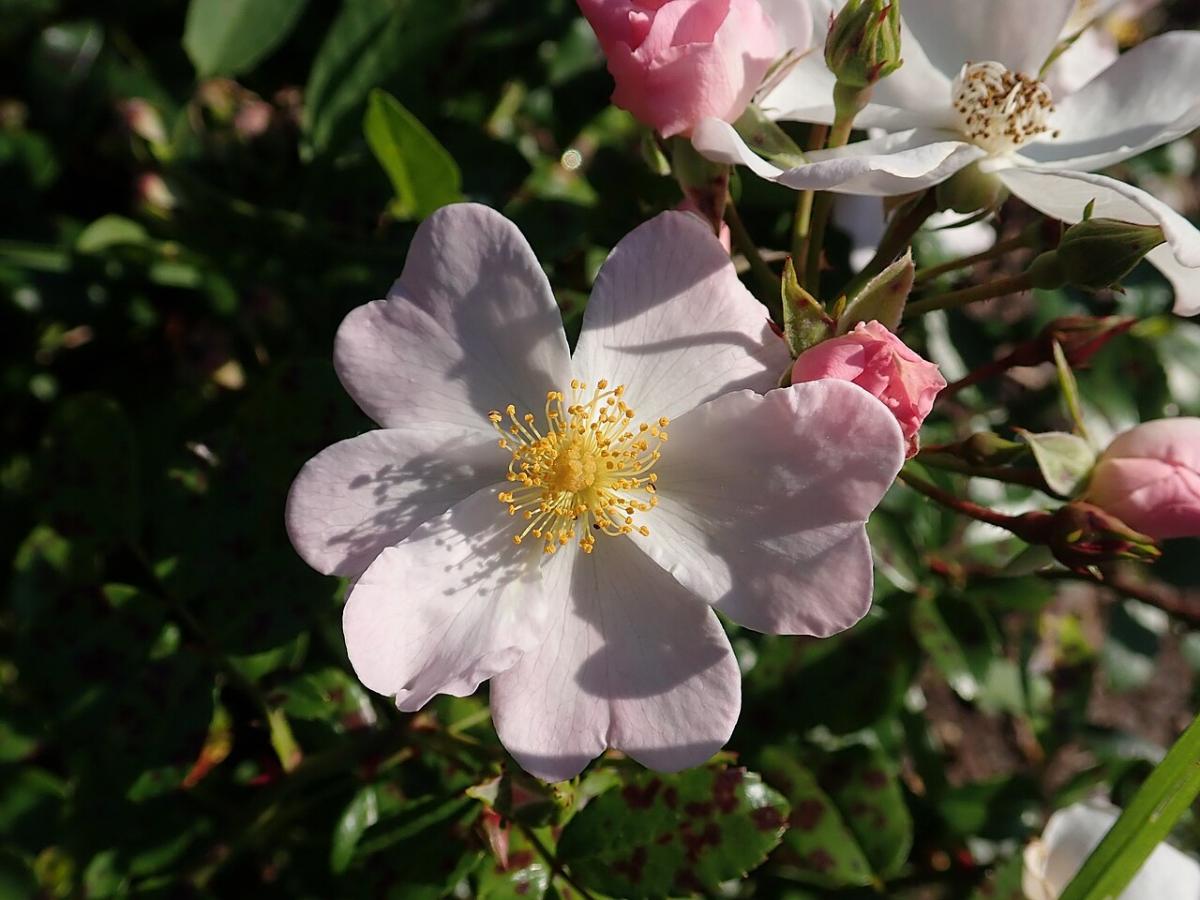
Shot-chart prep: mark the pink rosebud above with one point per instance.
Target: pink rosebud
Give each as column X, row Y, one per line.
column 880, row 363
column 1149, row 477
column 676, row 62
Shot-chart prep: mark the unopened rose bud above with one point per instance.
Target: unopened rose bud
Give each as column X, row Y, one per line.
column 154, row 195
column 253, row 119
column 1095, row 254
column 863, row 45
column 883, row 365
column 1150, row 477
column 1081, row 534
column 143, row 120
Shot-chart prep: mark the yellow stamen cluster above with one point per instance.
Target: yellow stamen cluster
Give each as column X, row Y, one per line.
column 588, row 471
column 998, row 109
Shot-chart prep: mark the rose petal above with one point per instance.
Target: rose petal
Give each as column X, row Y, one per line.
column 469, row 327
column 763, row 500
column 1072, row 834
column 450, row 606
column 896, row 164
column 631, row 661
column 357, row 497
column 1142, row 100
column 669, row 319
column 1017, row 33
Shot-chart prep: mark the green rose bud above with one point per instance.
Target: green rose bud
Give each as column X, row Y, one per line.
column 864, row 42
column 1098, row 253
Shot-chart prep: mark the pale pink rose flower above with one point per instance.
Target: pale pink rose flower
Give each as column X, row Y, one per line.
column 883, row 365
column 1051, row 861
column 676, row 62
column 757, row 509
column 1149, row 478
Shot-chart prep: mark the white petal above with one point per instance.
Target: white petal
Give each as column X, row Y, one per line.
column 1185, row 280
column 1018, row 33
column 1063, row 195
column 1147, row 97
column 763, row 502
column 469, row 327
column 357, row 497
column 1089, row 54
column 897, row 164
column 450, row 606
column 862, row 219
column 669, row 319
column 1071, row 835
column 631, row 661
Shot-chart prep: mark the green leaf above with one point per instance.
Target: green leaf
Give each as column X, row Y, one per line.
column 368, row 44
column 1065, row 460
column 1144, row 824
column 1131, row 645
column 664, row 835
column 936, row 639
column 862, row 781
column 1004, row 883
column 422, row 173
column 850, row 825
column 111, row 231
column 361, row 813
column 1070, row 389
column 329, row 695
column 527, row 876
column 89, row 471
column 819, row 847
column 227, row 37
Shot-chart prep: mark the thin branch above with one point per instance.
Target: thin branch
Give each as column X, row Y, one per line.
column 1002, row 287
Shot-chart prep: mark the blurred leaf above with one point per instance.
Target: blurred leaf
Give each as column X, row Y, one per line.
column 819, row 847
column 943, row 648
column 526, row 876
column 228, row 37
column 872, row 664
column 359, row 815
column 111, row 231
column 1130, row 652
column 89, row 471
column 422, row 173
column 1070, row 389
column 368, row 43
column 1004, row 883
column 329, row 695
column 662, row 835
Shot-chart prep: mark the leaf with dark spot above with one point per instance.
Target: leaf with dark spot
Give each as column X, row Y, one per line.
column 665, row 835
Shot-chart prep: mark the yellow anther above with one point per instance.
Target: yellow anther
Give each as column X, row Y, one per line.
column 585, row 466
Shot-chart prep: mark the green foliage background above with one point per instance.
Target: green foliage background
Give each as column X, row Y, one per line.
column 177, row 716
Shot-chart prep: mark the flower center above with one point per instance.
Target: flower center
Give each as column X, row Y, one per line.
column 587, row 469
column 1000, row 110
